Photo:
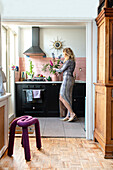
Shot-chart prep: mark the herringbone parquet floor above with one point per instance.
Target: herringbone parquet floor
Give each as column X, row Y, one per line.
column 58, row 154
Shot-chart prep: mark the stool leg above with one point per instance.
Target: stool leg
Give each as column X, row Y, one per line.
column 37, row 132
column 26, row 144
column 22, row 140
column 11, row 138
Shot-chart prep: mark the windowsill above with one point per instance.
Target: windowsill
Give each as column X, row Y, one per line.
column 11, row 117
column 5, row 96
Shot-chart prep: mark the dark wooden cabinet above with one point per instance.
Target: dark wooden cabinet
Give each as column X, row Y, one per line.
column 48, row 104
column 104, row 4
column 103, row 132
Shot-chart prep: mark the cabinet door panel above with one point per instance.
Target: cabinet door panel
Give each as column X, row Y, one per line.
column 78, row 90
column 18, row 92
column 53, row 99
column 79, row 106
column 111, row 51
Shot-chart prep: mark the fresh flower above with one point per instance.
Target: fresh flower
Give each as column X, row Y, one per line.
column 51, row 65
column 13, row 67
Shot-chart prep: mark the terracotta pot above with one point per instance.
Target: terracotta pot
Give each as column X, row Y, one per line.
column 54, row 77
column 60, row 77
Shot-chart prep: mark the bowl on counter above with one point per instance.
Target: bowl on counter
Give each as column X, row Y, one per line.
column 36, row 79
column 39, row 78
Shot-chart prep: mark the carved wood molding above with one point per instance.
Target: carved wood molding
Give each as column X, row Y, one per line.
column 106, row 12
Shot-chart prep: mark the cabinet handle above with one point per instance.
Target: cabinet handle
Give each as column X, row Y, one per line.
column 33, row 108
column 54, row 84
column 75, row 100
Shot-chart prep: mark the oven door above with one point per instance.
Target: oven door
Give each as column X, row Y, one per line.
column 36, row 107
column 28, row 96
column 25, row 97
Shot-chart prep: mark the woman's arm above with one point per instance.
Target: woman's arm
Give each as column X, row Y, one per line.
column 64, row 67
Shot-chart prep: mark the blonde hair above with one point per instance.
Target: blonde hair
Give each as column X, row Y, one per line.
column 69, row 54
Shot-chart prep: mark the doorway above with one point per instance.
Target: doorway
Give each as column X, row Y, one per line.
column 91, row 50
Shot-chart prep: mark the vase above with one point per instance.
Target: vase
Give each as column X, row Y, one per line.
column 60, row 77
column 54, row 77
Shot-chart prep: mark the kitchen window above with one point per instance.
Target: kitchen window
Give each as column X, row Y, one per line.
column 4, row 52
column 9, row 57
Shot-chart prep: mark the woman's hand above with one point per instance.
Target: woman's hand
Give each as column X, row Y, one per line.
column 56, row 72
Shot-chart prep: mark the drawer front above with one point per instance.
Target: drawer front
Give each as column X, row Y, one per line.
column 34, row 86
column 34, row 113
column 34, row 107
column 79, row 106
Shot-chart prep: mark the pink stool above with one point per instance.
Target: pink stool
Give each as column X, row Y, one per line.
column 24, row 122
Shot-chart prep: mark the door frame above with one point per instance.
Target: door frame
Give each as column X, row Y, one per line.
column 91, row 77
column 91, row 57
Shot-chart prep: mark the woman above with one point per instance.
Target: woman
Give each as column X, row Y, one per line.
column 68, row 82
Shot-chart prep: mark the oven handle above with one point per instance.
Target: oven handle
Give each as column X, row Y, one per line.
column 33, row 89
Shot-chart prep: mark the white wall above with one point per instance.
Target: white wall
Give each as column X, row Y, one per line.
column 49, row 8
column 25, row 40
column 74, row 38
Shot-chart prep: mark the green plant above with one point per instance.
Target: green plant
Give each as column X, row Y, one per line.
column 51, row 65
column 30, row 72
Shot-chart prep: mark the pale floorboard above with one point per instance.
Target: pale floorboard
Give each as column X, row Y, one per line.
column 58, row 154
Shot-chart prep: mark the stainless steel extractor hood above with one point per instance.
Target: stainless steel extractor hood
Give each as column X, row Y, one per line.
column 35, row 49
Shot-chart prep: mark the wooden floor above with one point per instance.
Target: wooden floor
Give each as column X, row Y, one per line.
column 58, row 154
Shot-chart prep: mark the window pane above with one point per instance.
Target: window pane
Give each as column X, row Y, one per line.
column 4, row 57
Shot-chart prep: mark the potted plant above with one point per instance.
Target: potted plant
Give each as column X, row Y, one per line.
column 30, row 73
column 50, row 66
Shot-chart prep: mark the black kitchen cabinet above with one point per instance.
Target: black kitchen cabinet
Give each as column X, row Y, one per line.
column 48, row 104
column 18, row 97
column 78, row 101
column 53, row 100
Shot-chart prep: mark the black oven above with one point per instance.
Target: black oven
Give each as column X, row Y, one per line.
column 31, row 88
column 35, row 107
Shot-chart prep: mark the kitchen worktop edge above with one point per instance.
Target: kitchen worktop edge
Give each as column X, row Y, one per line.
column 45, row 82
